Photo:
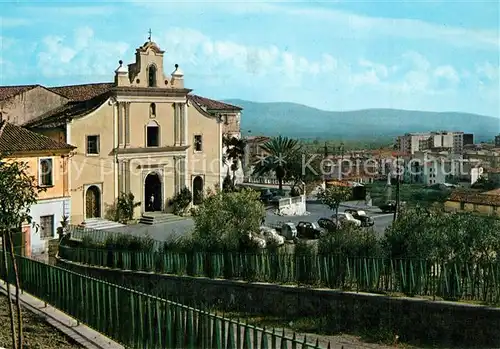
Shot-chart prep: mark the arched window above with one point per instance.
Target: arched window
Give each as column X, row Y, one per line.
column 152, row 134
column 152, row 110
column 152, row 76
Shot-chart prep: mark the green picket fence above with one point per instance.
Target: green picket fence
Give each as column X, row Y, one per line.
column 139, row 320
column 451, row 281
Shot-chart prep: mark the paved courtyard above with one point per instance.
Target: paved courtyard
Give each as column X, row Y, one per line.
column 173, row 230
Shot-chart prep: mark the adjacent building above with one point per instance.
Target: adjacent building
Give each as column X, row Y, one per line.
column 435, row 141
column 487, row 203
column 48, row 163
column 145, row 134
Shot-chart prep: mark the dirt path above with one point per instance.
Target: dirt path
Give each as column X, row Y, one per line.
column 37, row 333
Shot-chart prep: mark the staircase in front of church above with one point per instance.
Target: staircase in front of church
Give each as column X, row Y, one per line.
column 101, row 224
column 153, row 218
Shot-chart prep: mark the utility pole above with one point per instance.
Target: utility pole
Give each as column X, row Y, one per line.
column 396, row 211
column 341, row 148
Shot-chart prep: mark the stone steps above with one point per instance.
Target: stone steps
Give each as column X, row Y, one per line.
column 159, row 218
column 101, row 224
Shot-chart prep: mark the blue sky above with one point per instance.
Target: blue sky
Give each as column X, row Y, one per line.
column 338, row 55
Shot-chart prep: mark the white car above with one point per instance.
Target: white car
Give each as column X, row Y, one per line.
column 347, row 217
column 271, row 236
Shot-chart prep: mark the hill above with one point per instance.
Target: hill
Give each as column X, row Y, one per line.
column 300, row 121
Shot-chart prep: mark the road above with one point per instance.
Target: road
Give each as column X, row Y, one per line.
column 169, row 231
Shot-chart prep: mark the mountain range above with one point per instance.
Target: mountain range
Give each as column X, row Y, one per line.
column 301, row 121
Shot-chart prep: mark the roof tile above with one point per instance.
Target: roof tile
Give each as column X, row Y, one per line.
column 211, row 104
column 15, row 139
column 10, row 91
column 82, row 92
column 487, row 198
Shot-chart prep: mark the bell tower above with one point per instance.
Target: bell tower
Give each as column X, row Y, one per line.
column 147, row 71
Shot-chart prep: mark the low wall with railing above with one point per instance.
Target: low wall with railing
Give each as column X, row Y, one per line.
column 294, row 206
column 264, row 180
column 411, row 319
column 139, row 319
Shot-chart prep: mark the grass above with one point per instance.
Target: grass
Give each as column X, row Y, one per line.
column 317, row 327
column 37, row 333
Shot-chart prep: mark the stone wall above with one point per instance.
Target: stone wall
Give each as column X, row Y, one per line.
column 414, row 320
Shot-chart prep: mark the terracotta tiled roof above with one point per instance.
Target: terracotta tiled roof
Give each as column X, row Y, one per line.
column 487, row 198
column 15, row 139
column 82, row 92
column 58, row 116
column 211, row 104
column 10, row 91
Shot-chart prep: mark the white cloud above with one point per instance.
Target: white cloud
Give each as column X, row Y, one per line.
column 347, row 24
column 448, row 73
column 6, row 43
column 488, row 71
column 85, row 55
column 365, row 26
column 13, row 22
column 91, row 10
column 220, row 58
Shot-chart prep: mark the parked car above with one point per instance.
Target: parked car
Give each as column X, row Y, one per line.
column 347, row 217
column 388, row 207
column 271, row 236
column 327, row 224
column 287, row 230
column 309, row 230
column 266, row 195
column 366, row 221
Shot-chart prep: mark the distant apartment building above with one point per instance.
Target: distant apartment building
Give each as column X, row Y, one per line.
column 436, row 141
column 468, row 139
column 497, row 141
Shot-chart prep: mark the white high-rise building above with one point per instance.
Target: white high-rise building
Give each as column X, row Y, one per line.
column 441, row 140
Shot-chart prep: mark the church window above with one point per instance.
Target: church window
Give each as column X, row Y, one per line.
column 152, row 110
column 152, row 76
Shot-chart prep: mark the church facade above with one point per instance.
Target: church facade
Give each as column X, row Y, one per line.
column 144, row 133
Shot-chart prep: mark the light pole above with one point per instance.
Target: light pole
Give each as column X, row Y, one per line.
column 341, row 149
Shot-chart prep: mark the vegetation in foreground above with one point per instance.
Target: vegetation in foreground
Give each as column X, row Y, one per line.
column 37, row 333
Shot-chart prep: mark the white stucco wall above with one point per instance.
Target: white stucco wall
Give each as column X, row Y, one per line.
column 56, row 207
column 295, row 206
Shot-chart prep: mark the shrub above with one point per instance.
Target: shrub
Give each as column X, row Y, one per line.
column 124, row 209
column 350, row 241
column 181, row 201
column 225, row 219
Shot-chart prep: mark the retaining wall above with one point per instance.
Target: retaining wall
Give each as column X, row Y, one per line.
column 413, row 320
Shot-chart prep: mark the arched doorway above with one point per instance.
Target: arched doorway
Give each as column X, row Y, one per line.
column 197, row 190
column 93, row 202
column 152, row 192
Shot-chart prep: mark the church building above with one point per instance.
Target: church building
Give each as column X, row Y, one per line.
column 145, row 134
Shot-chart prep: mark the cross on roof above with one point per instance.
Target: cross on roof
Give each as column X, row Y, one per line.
column 149, row 38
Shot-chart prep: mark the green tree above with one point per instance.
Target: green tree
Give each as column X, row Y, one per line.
column 235, row 151
column 225, row 219
column 333, row 196
column 280, row 151
column 18, row 191
column 303, row 168
column 125, row 207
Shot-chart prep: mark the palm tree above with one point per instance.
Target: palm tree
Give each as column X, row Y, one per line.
column 279, row 151
column 235, row 151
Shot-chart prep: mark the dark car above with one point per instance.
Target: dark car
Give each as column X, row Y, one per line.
column 388, row 207
column 266, row 195
column 309, row 230
column 327, row 224
column 366, row 221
